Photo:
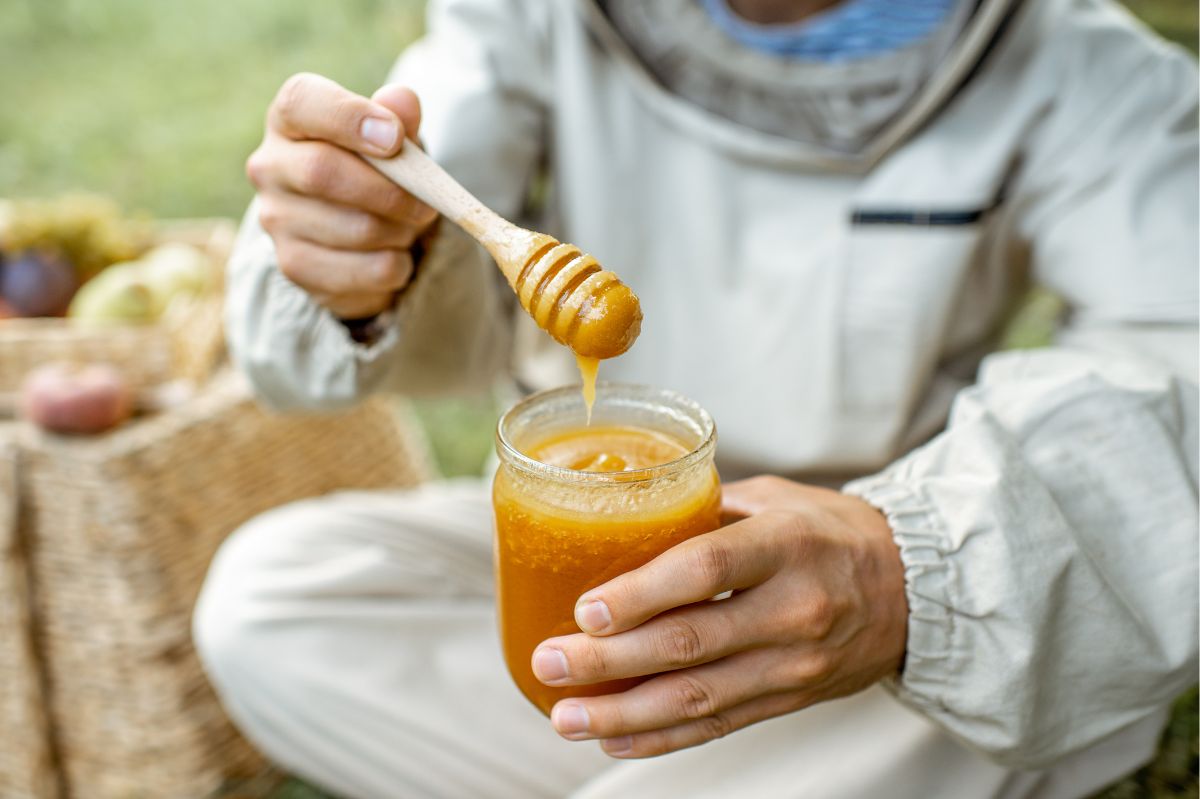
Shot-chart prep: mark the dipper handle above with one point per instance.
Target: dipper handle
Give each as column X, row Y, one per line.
column 566, row 292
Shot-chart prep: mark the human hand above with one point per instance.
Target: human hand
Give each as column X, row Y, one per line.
column 818, row 612
column 342, row 231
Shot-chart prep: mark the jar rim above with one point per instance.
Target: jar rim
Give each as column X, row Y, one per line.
column 511, row 455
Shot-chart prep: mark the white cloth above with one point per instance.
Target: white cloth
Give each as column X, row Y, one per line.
column 353, row 638
column 1049, row 533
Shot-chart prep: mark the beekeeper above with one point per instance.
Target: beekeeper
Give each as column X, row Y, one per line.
column 828, row 210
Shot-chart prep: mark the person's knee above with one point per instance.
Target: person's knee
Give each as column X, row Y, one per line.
column 236, row 605
column 278, row 582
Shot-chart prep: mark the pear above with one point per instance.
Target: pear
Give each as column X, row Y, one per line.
column 172, row 270
column 119, row 294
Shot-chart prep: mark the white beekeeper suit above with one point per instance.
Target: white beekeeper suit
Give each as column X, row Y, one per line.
column 829, row 306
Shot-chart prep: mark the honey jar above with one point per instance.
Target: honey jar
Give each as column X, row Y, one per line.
column 578, row 504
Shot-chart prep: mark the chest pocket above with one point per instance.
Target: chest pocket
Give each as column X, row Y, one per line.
column 905, row 272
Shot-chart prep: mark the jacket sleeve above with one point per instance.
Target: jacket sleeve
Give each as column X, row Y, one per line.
column 1049, row 534
column 479, row 76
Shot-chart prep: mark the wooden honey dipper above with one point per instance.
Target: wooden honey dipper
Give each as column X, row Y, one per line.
column 566, row 292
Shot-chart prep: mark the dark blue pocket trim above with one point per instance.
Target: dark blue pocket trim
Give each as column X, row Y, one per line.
column 918, row 218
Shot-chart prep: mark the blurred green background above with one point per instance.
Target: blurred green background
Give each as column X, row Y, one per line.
column 158, row 104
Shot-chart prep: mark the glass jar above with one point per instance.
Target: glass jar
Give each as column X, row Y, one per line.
column 561, row 532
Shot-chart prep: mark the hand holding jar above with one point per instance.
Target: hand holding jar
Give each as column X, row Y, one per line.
column 818, row 612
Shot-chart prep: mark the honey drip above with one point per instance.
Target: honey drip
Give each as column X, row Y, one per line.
column 587, row 372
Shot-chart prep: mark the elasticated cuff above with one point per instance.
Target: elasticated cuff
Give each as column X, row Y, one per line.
column 327, row 335
column 932, row 657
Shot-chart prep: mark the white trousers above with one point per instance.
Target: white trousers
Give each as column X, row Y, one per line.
column 353, row 639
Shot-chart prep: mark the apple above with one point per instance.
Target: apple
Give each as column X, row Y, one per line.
column 64, row 398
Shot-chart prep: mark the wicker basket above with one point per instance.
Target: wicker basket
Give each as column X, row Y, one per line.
column 119, row 530
column 26, row 770
column 186, row 343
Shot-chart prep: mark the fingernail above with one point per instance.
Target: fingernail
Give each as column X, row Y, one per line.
column 380, row 133
column 569, row 718
column 618, row 746
column 549, row 665
column 593, row 616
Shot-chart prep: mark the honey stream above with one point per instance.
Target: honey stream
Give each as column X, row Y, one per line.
column 587, row 372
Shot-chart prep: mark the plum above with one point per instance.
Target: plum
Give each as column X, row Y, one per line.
column 38, row 283
column 6, row 310
column 67, row 399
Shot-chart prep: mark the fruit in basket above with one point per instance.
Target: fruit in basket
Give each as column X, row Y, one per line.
column 87, row 231
column 139, row 291
column 82, row 400
column 119, row 294
column 173, row 270
column 6, row 310
column 38, row 283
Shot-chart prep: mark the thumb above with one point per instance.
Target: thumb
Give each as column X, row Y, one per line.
column 741, row 499
column 402, row 102
column 312, row 107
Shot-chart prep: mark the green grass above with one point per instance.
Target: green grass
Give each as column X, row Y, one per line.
column 1176, row 20
column 158, row 104
column 460, row 432
column 1173, row 772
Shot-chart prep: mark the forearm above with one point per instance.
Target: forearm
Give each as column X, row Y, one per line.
column 448, row 331
column 1049, row 543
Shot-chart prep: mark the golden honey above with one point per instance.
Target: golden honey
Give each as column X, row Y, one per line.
column 580, row 506
column 568, row 294
column 588, row 368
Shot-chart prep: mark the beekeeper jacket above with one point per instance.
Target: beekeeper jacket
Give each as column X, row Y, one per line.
column 831, row 313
